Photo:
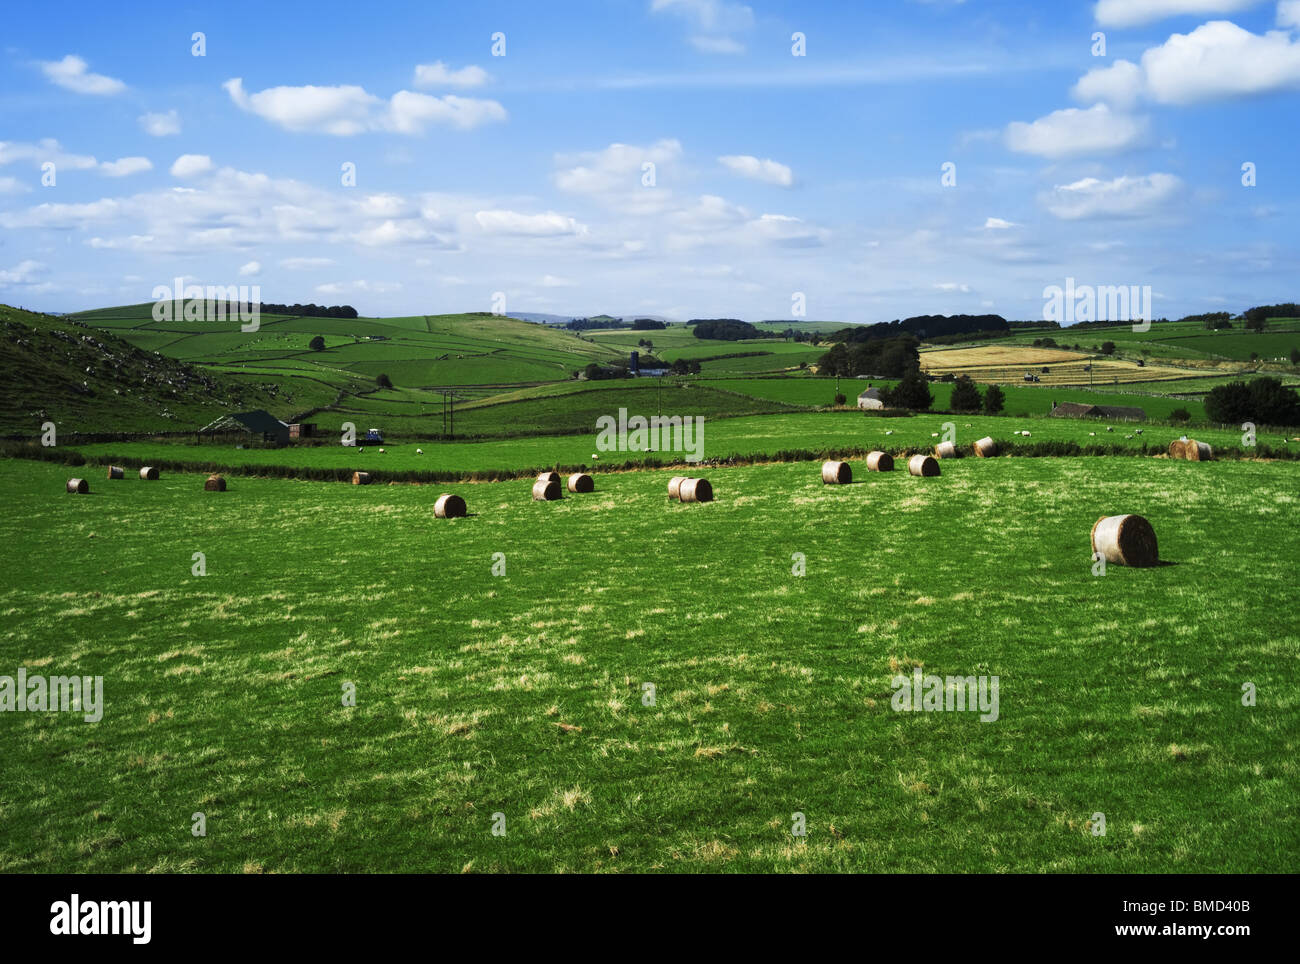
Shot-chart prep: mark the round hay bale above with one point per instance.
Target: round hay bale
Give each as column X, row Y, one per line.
column 116, row 472
column 1125, row 539
column 880, row 462
column 360, row 478
column 149, row 472
column 215, row 483
column 549, row 477
column 945, row 450
column 1198, row 451
column 923, row 465
column 675, row 487
column 696, row 490
column 836, row 473
column 1178, row 449
column 581, row 482
column 546, row 491
column 450, row 506
column 985, row 447
column 79, row 486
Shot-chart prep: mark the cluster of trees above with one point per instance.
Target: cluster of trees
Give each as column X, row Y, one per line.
column 726, row 329
column 648, row 324
column 310, row 311
column 1264, row 401
column 1257, row 318
column 881, row 357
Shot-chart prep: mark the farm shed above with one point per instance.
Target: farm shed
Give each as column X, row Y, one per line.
column 1079, row 410
column 302, row 429
column 256, row 422
column 871, row 399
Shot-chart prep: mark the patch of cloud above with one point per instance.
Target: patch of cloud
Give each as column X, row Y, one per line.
column 160, row 125
column 1121, row 197
column 1073, row 132
column 73, row 73
column 347, row 110
column 438, row 74
column 767, row 170
column 191, row 165
column 125, row 166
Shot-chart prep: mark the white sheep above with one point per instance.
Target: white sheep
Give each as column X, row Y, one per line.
column 419, row 451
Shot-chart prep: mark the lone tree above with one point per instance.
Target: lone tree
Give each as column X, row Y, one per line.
column 965, row 396
column 317, row 343
column 383, row 381
column 994, row 400
column 912, row 392
column 1108, row 348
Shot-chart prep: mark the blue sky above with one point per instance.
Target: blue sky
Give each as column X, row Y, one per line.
column 774, row 174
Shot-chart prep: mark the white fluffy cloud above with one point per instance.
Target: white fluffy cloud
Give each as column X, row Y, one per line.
column 11, row 185
column 1073, row 132
column 1216, row 60
column 160, row 125
column 191, row 165
column 124, row 166
column 438, row 74
column 1122, row 197
column 250, row 269
column 1132, row 13
column 73, row 73
column 1288, row 14
column 998, row 224
column 1220, row 59
column 767, row 170
column 347, row 110
column 1119, row 85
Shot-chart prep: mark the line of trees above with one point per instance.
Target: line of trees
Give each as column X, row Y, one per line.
column 309, row 311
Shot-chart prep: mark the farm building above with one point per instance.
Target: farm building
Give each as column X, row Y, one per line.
column 871, row 399
column 302, row 429
column 256, row 422
column 1079, row 410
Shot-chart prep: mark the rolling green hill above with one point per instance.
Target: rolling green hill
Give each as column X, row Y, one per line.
column 87, row 380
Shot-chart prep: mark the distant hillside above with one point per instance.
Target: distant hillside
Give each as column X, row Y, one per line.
column 85, row 380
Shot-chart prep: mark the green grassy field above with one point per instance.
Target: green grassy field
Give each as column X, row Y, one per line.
column 825, row 433
column 522, row 694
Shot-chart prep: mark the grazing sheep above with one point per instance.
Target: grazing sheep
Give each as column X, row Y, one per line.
column 1091, row 434
column 595, row 457
column 381, row 451
column 1109, row 429
column 419, row 451
column 890, row 432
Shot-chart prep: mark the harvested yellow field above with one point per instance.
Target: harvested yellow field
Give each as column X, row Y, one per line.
column 1008, row 364
column 957, row 359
